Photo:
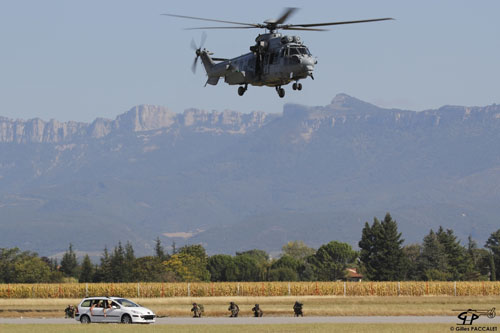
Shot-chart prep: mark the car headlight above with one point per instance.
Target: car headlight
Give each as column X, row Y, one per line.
column 135, row 312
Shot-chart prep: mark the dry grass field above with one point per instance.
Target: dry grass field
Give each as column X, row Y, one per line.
column 273, row 306
column 112, row 328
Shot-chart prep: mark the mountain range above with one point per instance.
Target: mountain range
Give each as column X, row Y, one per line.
column 233, row 181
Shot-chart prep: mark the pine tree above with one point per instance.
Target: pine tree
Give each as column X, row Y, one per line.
column 381, row 250
column 87, row 271
column 159, row 250
column 103, row 271
column 493, row 244
column 117, row 264
column 368, row 248
column 129, row 263
column 458, row 263
column 432, row 262
column 69, row 264
column 493, row 275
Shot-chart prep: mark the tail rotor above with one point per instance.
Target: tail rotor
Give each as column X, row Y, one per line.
column 197, row 50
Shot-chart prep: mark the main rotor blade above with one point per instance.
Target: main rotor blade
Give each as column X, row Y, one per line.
column 305, row 29
column 211, row 20
column 335, row 23
column 285, row 15
column 202, row 28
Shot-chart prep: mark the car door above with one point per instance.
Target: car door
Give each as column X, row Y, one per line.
column 114, row 313
column 96, row 311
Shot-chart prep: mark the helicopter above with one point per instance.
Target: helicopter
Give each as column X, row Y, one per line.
column 275, row 60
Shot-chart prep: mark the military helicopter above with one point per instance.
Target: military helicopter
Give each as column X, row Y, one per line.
column 274, row 61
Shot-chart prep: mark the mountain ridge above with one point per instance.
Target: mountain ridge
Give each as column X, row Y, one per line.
column 234, row 181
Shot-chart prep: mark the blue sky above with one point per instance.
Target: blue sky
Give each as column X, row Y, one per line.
column 78, row 60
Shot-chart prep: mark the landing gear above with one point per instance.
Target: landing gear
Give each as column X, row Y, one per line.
column 241, row 90
column 280, row 91
column 297, row 86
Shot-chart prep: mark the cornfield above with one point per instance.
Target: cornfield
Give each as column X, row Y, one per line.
column 200, row 289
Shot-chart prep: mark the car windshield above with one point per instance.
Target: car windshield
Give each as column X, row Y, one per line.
column 126, row 303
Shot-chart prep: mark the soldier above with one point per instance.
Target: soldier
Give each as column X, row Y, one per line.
column 69, row 312
column 297, row 309
column 257, row 312
column 196, row 310
column 234, row 308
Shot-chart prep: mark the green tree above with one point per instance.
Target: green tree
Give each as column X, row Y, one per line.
column 159, row 250
column 129, row 263
column 222, row 268
column 479, row 259
column 117, row 264
column 262, row 260
column 459, row 264
column 189, row 263
column 7, row 260
column 412, row 254
column 381, row 250
column 31, row 269
column 150, row 269
column 248, row 268
column 103, row 273
column 297, row 250
column 87, row 270
column 187, row 267
column 493, row 244
column 493, row 276
column 433, row 261
column 286, row 268
column 331, row 261
column 69, row 263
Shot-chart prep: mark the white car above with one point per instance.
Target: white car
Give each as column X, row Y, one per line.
column 112, row 310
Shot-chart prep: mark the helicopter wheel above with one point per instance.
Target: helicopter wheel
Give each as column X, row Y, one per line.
column 241, row 91
column 299, row 86
column 294, row 86
column 281, row 92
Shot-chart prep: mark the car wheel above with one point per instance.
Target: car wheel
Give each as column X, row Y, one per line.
column 126, row 319
column 85, row 319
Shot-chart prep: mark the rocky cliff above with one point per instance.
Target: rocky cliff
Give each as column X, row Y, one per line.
column 235, row 181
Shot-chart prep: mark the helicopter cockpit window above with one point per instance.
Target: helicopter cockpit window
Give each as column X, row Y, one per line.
column 304, row 51
column 293, row 51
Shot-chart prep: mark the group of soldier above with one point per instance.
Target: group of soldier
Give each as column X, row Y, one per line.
column 198, row 309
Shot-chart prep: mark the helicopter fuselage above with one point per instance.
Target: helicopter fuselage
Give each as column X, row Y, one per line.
column 275, row 60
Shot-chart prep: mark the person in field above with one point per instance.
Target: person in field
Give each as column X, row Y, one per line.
column 234, row 308
column 257, row 312
column 197, row 310
column 297, row 309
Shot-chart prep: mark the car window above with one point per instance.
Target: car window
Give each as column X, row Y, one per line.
column 127, row 303
column 86, row 303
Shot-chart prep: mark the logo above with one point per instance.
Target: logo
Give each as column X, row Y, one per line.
column 468, row 316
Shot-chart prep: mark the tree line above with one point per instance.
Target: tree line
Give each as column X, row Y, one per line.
column 381, row 257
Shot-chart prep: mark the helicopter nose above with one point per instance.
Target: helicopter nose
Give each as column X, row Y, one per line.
column 308, row 63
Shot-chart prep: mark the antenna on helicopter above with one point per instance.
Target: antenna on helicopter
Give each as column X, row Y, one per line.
column 197, row 50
